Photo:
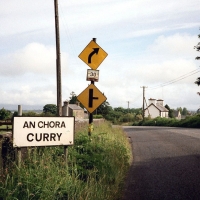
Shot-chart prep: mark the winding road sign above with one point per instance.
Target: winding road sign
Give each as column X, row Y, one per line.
column 91, row 98
column 93, row 55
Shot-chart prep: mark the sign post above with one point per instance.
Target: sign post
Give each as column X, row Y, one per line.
column 91, row 98
column 19, row 152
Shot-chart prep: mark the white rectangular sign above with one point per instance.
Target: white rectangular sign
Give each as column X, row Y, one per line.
column 92, row 75
column 43, row 131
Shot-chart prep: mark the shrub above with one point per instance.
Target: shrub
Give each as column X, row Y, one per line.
column 97, row 116
column 190, row 122
column 5, row 114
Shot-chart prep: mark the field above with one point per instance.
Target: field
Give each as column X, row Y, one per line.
column 96, row 169
column 4, row 128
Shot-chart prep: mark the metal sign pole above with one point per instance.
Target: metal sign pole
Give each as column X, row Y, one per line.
column 91, row 127
column 91, row 97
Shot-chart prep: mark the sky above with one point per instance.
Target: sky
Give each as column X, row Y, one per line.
column 149, row 43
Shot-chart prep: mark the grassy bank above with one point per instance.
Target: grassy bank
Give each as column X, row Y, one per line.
column 96, row 169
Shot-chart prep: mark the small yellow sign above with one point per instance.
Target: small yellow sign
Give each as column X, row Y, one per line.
column 93, row 55
column 91, row 98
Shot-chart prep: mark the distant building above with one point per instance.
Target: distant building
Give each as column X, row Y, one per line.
column 177, row 114
column 156, row 109
column 73, row 110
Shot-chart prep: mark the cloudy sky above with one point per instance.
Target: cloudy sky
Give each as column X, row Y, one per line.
column 149, row 43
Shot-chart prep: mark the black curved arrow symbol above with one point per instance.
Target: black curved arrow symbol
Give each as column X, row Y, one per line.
column 96, row 50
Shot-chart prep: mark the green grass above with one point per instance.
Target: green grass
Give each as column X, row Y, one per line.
column 96, row 169
column 3, row 128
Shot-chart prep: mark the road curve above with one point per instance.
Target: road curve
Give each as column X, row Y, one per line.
column 166, row 164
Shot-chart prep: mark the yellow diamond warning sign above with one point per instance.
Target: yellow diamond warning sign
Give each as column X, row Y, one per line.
column 91, row 98
column 93, row 55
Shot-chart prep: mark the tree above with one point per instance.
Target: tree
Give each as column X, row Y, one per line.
column 73, row 98
column 128, row 117
column 30, row 114
column 104, row 109
column 50, row 108
column 171, row 113
column 138, row 117
column 120, row 109
column 180, row 109
column 198, row 83
column 197, row 47
column 5, row 114
column 184, row 111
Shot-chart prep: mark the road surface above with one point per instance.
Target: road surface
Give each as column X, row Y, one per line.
column 166, row 164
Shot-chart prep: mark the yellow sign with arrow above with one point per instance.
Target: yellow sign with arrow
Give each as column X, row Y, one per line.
column 93, row 55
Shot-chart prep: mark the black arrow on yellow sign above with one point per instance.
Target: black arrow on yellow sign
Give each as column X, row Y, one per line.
column 96, row 50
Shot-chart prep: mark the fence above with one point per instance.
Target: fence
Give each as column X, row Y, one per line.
column 6, row 123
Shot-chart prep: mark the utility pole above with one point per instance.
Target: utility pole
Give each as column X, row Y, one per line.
column 128, row 105
column 58, row 62
column 143, row 101
column 58, row 70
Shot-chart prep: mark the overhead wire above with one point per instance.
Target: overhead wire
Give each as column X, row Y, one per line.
column 66, row 29
column 175, row 80
column 150, row 88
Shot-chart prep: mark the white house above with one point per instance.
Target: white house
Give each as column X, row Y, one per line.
column 156, row 109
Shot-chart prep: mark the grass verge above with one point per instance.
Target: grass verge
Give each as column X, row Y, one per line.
column 96, row 169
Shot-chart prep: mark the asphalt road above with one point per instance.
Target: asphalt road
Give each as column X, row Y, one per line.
column 166, row 164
